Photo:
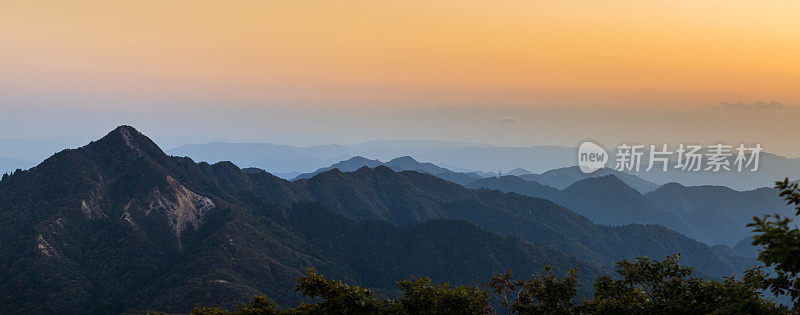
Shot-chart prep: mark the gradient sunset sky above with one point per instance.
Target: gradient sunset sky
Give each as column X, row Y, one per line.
column 310, row 72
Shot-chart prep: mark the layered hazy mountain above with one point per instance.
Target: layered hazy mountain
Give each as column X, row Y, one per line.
column 117, row 225
column 608, row 199
column 716, row 215
column 289, row 161
column 564, row 177
column 604, row 200
column 720, row 213
column 483, row 159
column 456, row 156
column 771, row 168
column 404, row 163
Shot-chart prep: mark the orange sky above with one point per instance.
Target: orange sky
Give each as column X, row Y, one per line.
column 410, row 53
column 345, row 71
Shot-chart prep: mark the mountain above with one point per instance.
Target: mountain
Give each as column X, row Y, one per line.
column 719, row 213
column 349, row 165
column 117, row 226
column 403, row 197
column 467, row 157
column 278, row 158
column 745, row 248
column 458, row 156
column 771, row 168
column 407, row 163
column 519, row 171
column 273, row 157
column 563, row 177
column 605, row 200
column 404, row 163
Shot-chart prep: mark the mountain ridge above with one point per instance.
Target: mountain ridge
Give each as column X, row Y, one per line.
column 118, row 225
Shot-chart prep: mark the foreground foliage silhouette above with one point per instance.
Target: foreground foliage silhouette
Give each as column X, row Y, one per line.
column 643, row 286
column 420, row 296
column 780, row 242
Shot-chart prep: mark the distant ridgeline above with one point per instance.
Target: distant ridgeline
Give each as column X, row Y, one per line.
column 117, row 225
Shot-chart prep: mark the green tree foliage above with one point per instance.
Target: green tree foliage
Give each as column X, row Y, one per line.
column 666, row 287
column 259, row 305
column 337, row 297
column 642, row 286
column 781, row 245
column 424, row 297
column 542, row 294
column 421, row 296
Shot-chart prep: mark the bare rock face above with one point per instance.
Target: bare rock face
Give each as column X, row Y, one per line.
column 91, row 209
column 47, row 250
column 181, row 206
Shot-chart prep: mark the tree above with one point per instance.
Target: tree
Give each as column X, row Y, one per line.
column 666, row 287
column 259, row 305
column 781, row 245
column 337, row 297
column 421, row 296
column 542, row 294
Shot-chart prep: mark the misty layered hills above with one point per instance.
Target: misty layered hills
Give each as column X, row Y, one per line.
column 519, row 171
column 745, row 248
column 117, row 225
column 605, row 200
column 712, row 214
column 719, row 213
column 771, row 168
column 408, row 196
column 273, row 157
column 550, row 165
column 564, row 177
column 404, row 163
column 348, row 165
column 456, row 156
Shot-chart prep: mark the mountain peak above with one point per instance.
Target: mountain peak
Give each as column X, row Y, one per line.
column 124, row 128
column 404, row 159
column 607, row 183
column 357, row 160
column 519, row 171
column 128, row 137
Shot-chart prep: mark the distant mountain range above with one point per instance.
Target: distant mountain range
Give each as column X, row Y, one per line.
column 712, row 214
column 404, row 163
column 118, row 226
column 604, row 200
column 771, row 168
column 456, row 156
column 564, row 177
column 485, row 160
column 719, row 213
